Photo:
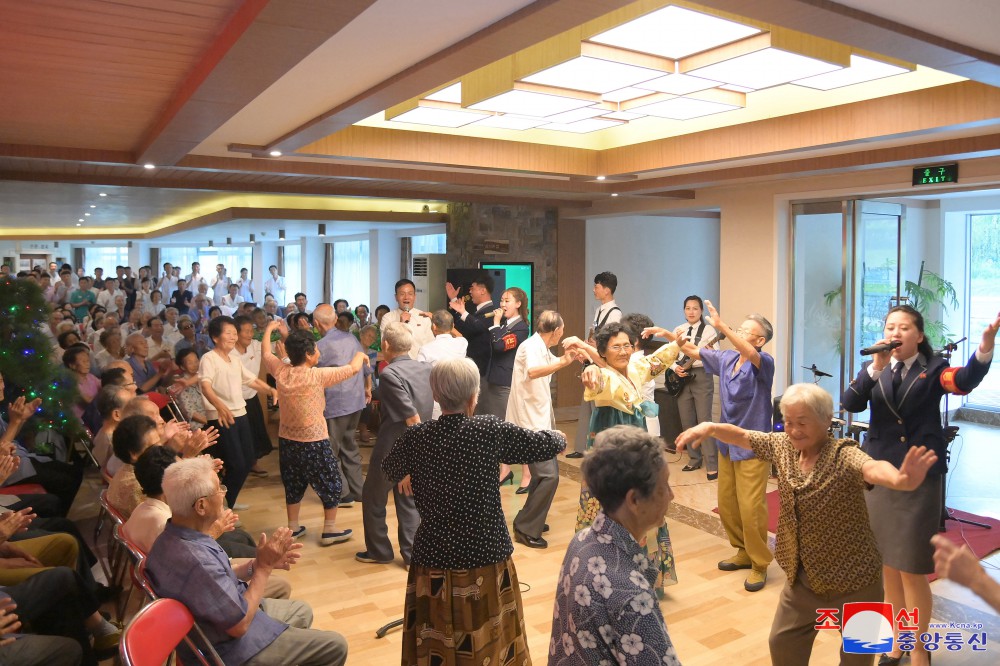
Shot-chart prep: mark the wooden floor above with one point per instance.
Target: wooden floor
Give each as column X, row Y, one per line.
column 711, row 618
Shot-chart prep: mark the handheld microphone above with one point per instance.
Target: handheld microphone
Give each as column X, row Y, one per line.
column 877, row 349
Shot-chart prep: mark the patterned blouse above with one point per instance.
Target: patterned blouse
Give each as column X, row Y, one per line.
column 302, row 399
column 823, row 527
column 606, row 610
column 453, row 464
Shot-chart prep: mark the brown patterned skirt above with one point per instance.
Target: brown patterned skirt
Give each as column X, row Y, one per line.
column 457, row 617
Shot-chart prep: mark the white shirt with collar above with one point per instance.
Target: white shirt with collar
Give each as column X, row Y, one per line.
column 443, row 347
column 530, row 403
column 419, row 325
column 606, row 309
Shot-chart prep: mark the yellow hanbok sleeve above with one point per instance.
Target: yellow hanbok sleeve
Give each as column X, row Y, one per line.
column 605, row 391
column 643, row 369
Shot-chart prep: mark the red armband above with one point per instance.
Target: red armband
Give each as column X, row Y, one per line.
column 948, row 381
column 509, row 341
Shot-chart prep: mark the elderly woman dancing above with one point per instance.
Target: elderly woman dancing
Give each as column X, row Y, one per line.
column 463, row 603
column 825, row 543
column 605, row 612
column 614, row 384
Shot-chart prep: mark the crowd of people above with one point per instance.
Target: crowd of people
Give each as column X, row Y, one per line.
column 171, row 390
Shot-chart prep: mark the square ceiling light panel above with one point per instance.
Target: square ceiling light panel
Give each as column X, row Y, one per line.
column 862, row 69
column 530, row 103
column 440, row 117
column 764, row 68
column 674, row 32
column 510, row 121
column 594, row 75
column 583, row 126
column 678, row 84
column 684, row 108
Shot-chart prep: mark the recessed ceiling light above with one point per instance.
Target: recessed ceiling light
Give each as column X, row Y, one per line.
column 600, row 178
column 614, row 194
column 78, row 224
column 80, row 220
column 86, row 214
column 93, row 206
column 149, row 166
column 275, row 153
column 102, row 194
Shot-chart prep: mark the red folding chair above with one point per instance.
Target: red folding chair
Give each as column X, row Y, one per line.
column 156, row 631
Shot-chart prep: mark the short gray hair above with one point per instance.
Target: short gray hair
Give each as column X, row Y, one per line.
column 454, row 382
column 187, row 481
column 443, row 321
column 548, row 321
column 623, row 458
column 137, row 406
column 764, row 324
column 812, row 396
column 398, row 336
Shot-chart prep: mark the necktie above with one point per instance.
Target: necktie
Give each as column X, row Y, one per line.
column 684, row 357
column 897, row 376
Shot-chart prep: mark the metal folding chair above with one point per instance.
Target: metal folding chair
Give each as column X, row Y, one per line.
column 158, row 629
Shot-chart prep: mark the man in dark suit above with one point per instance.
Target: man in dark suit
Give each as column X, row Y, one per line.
column 475, row 326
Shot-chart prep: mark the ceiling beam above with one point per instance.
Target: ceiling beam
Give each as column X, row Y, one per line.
column 362, row 172
column 967, row 148
column 373, row 192
column 864, row 30
column 261, row 43
column 536, row 22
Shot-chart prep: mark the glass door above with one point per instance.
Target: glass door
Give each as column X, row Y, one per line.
column 846, row 258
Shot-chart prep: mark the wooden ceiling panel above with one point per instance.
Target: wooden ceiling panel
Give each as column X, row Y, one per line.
column 93, row 73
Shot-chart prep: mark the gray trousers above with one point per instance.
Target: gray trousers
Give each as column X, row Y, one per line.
column 374, row 498
column 694, row 404
column 530, row 519
column 299, row 644
column 49, row 650
column 583, row 426
column 345, row 448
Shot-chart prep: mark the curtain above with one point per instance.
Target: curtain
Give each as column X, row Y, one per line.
column 405, row 257
column 154, row 263
column 327, row 272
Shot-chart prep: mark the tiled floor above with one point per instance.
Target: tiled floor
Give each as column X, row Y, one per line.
column 712, row 620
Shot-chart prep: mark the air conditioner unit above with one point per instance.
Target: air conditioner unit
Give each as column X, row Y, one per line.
column 428, row 272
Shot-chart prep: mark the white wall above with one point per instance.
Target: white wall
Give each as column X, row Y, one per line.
column 658, row 261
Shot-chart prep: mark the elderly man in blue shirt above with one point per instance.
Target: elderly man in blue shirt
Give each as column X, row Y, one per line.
column 188, row 565
column 344, row 401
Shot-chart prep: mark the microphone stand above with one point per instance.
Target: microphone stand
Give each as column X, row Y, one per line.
column 950, row 432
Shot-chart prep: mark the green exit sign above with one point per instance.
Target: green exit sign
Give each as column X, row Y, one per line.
column 933, row 175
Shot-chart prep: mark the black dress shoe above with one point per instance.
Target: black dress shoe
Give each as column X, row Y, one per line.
column 886, row 660
column 575, row 454
column 521, row 490
column 529, row 541
column 690, row 467
column 712, row 476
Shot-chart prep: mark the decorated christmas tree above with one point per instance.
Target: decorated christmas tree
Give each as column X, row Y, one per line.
column 27, row 361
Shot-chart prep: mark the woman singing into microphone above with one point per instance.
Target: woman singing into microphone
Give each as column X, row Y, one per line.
column 904, row 387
